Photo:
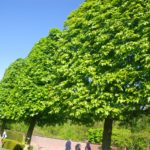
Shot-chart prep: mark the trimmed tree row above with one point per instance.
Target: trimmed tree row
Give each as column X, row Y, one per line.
column 97, row 68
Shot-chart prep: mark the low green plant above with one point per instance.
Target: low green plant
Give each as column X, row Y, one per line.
column 121, row 137
column 139, row 141
column 95, row 135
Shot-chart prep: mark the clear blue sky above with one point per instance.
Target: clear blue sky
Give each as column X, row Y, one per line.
column 24, row 22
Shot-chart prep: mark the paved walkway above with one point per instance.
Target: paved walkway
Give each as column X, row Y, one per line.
column 44, row 143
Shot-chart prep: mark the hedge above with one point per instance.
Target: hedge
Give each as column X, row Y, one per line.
column 12, row 144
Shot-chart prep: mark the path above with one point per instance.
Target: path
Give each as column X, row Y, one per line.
column 56, row 144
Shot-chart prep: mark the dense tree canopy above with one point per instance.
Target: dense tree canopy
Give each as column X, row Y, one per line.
column 35, row 88
column 97, row 68
column 106, row 54
column 109, row 56
column 10, row 81
column 27, row 86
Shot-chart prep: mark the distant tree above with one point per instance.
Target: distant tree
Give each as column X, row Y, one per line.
column 8, row 110
column 105, row 57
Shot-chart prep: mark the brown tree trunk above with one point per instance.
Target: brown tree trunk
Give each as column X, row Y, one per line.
column 3, row 125
column 30, row 131
column 107, row 132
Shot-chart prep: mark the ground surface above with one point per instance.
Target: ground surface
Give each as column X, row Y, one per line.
column 44, row 143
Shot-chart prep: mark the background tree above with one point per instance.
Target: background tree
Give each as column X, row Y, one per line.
column 31, row 96
column 35, row 89
column 8, row 110
column 105, row 62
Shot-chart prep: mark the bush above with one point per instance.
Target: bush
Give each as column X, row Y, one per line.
column 122, row 138
column 139, row 141
column 95, row 135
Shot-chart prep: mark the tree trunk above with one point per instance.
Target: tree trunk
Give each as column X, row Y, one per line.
column 3, row 124
column 106, row 141
column 30, row 131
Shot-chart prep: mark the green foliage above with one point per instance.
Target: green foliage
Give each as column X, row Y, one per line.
column 36, row 88
column 100, row 62
column 122, row 138
column 106, row 61
column 12, row 77
column 107, row 68
column 98, row 67
column 27, row 87
column 139, row 141
column 138, row 124
column 66, row 131
column 95, row 135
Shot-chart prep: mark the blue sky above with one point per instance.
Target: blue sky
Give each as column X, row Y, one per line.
column 24, row 22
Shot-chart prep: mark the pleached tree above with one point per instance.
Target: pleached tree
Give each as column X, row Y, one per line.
column 37, row 87
column 98, row 68
column 7, row 90
column 8, row 110
column 27, row 89
column 105, row 58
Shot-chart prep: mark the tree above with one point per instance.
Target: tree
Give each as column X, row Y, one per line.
column 31, row 96
column 105, row 62
column 97, row 68
column 36, row 86
column 9, row 112
column 7, row 86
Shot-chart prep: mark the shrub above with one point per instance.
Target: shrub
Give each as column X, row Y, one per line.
column 139, row 141
column 122, row 138
column 95, row 135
